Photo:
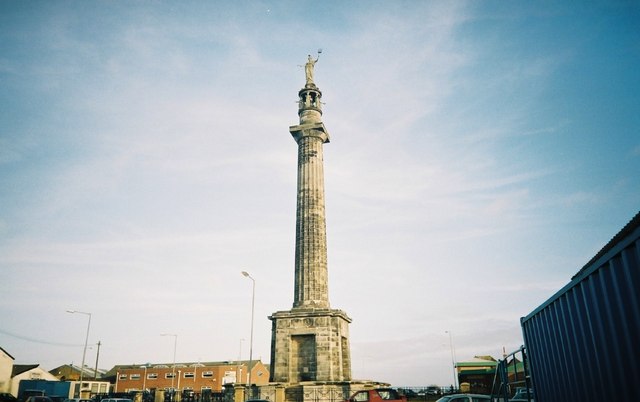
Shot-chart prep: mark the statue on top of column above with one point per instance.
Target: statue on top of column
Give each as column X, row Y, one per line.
column 308, row 68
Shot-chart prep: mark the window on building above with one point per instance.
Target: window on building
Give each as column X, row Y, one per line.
column 135, row 376
column 122, row 377
column 190, row 375
column 152, row 376
column 229, row 377
column 207, row 374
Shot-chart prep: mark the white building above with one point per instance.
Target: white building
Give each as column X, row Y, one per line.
column 6, row 368
column 28, row 372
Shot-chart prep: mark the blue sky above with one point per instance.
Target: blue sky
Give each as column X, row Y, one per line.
column 481, row 153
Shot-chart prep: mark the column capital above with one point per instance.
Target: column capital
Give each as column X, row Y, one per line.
column 310, row 130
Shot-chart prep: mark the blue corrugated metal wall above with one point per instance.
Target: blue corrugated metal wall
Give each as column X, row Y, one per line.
column 583, row 343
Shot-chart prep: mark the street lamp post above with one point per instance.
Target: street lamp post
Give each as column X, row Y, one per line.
column 144, row 379
column 239, row 374
column 84, row 351
column 453, row 361
column 173, row 371
column 253, row 299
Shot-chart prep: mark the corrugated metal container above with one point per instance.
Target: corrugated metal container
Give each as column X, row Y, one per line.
column 583, row 344
column 59, row 389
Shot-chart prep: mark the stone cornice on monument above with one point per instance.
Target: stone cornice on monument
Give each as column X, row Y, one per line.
column 310, row 130
column 302, row 312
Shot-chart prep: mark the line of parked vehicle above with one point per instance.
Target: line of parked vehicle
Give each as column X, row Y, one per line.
column 370, row 395
column 44, row 398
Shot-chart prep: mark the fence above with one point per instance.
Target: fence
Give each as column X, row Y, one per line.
column 315, row 395
column 512, row 373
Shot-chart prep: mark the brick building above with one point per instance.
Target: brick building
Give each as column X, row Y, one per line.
column 196, row 376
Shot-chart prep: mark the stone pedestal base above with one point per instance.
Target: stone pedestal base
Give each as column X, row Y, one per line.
column 310, row 345
column 314, row 391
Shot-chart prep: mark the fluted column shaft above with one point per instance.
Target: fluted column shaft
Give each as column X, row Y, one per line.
column 311, row 279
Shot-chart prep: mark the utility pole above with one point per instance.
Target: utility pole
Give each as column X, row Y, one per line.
column 95, row 371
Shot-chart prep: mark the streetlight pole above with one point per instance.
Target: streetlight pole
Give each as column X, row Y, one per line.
column 239, row 374
column 84, row 351
column 144, row 380
column 253, row 299
column 173, row 372
column 453, row 361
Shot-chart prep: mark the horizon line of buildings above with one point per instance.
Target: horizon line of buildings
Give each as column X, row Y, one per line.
column 197, row 377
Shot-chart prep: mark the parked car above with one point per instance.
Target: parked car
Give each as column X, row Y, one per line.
column 378, row 395
column 38, row 398
column 522, row 395
column 78, row 400
column 433, row 390
column 464, row 398
column 408, row 392
column 116, row 400
column 6, row 397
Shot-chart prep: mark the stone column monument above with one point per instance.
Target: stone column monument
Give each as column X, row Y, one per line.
column 310, row 342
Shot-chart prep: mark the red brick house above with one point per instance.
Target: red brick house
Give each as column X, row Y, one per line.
column 193, row 376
